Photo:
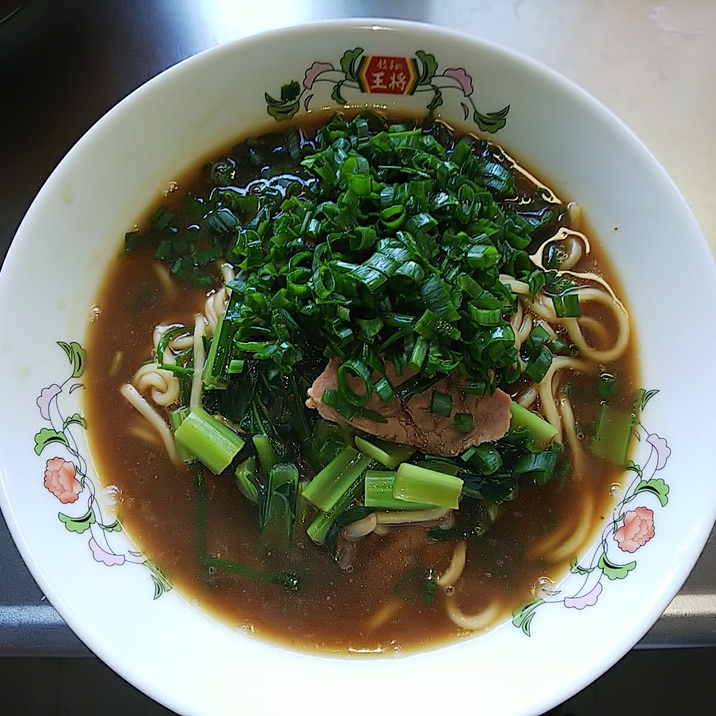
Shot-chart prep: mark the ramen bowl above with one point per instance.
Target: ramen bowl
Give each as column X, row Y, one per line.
column 63, row 516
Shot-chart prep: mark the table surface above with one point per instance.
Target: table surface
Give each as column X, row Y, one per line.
column 64, row 64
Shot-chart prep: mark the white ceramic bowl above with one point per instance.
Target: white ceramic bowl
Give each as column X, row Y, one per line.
column 189, row 661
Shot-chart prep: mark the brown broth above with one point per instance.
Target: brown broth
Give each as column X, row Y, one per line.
column 335, row 610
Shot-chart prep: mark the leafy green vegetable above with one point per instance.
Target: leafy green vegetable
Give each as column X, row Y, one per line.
column 541, row 432
column 327, row 487
column 613, row 433
column 208, row 439
column 388, row 454
column 278, row 506
column 379, row 493
column 373, row 243
column 286, row 579
column 420, row 484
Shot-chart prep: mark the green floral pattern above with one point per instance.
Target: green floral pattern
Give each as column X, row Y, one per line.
column 86, row 509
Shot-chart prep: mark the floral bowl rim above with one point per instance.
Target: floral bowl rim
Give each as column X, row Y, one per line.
column 55, row 506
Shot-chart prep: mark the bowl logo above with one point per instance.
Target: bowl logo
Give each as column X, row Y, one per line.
column 381, row 74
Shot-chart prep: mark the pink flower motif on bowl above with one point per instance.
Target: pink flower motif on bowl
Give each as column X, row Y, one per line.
column 103, row 556
column 462, row 78
column 61, row 480
column 662, row 449
column 44, row 400
column 586, row 600
column 637, row 530
column 317, row 68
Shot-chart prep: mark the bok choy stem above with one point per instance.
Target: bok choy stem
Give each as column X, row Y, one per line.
column 326, row 488
column 379, row 493
column 211, row 441
column 541, row 431
column 286, row 579
column 420, row 484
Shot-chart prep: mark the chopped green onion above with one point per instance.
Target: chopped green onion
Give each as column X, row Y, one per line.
column 441, row 404
column 436, row 295
column 360, row 370
column 566, row 305
column 464, row 422
column 418, row 354
column 475, row 387
column 481, row 256
column 222, row 220
column 384, row 389
column 392, row 217
column 333, row 399
column 162, row 218
column 539, row 364
column 417, row 384
column 486, row 458
column 539, row 465
column 485, row 316
column 236, row 366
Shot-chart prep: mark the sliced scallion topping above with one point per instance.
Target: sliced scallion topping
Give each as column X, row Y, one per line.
column 358, row 369
column 441, row 404
column 566, row 305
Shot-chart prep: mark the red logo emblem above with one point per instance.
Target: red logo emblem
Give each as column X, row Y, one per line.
column 380, row 74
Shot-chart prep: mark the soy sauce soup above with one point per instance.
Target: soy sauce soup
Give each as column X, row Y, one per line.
column 382, row 592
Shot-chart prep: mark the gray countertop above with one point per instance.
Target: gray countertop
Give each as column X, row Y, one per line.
column 64, row 64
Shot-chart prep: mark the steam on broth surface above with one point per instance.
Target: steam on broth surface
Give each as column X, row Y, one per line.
column 423, row 378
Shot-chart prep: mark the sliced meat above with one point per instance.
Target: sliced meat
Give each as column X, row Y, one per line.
column 411, row 422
